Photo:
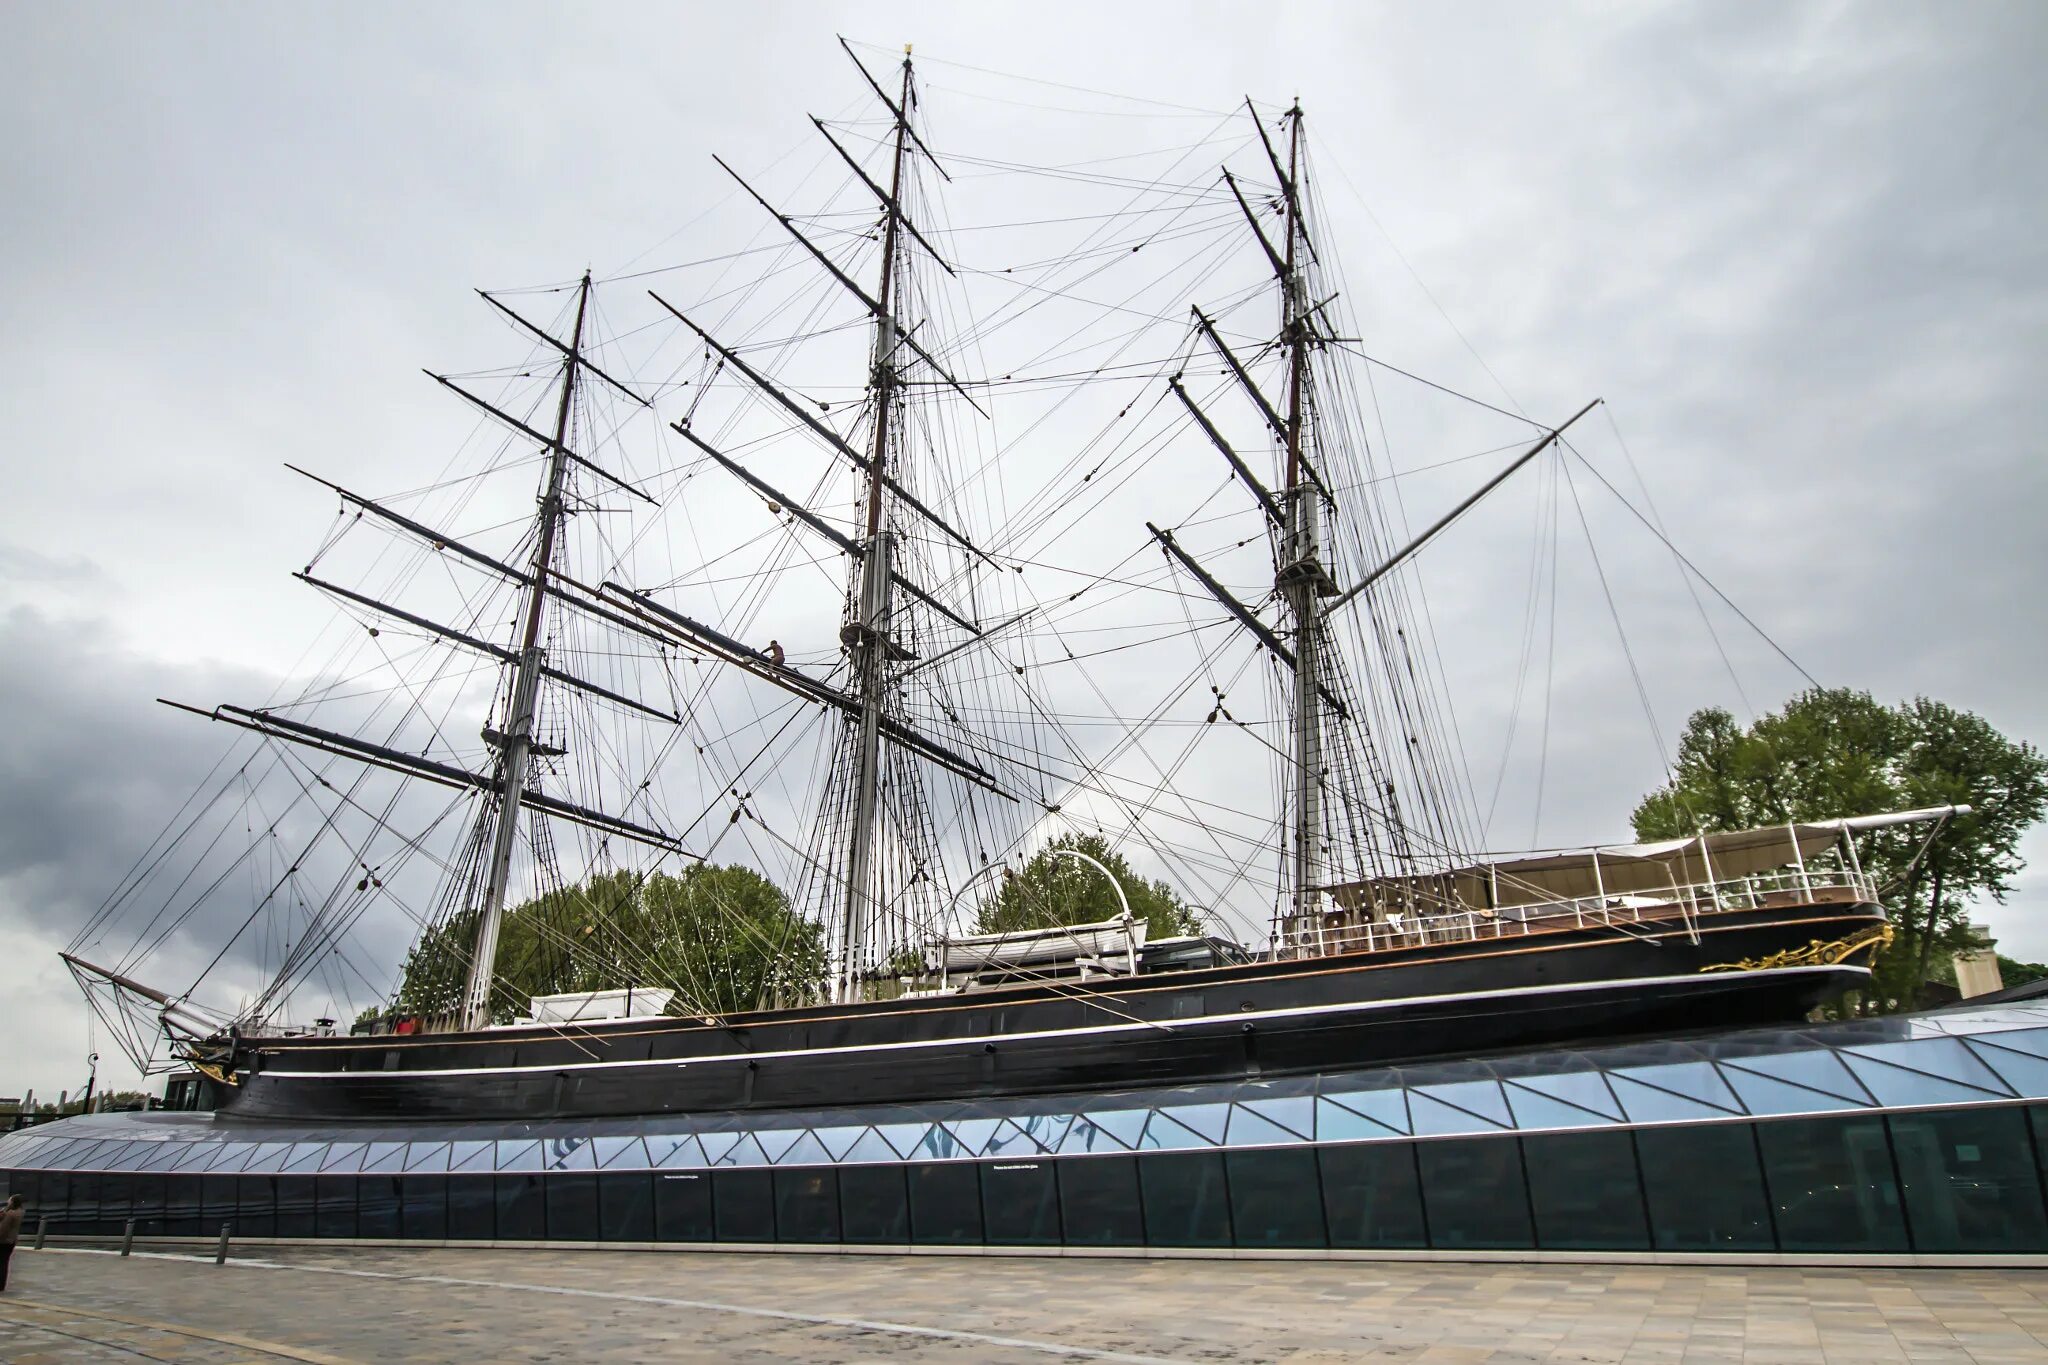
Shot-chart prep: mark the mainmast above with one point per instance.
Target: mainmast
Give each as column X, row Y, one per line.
column 1301, row 579
column 867, row 634
column 515, row 745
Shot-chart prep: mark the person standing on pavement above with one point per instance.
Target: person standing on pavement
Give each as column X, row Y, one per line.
column 10, row 1233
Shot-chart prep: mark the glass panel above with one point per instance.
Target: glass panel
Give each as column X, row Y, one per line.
column 1821, row 1071
column 335, row 1206
column 1335, row 1123
column 522, row 1207
column 1898, row 1086
column 194, row 1155
column 743, row 1205
column 217, row 1204
column 1388, row 1108
column 472, row 1156
column 945, row 1204
column 678, row 1152
column 1648, row 1104
column 1010, row 1140
column 572, row 1205
column 146, row 1202
column 1249, row 1128
column 1270, row 1198
column 1582, row 1090
column 377, row 1207
column 268, row 1157
column 1480, row 1099
column 1945, row 1058
column 1432, row 1118
column 181, row 1205
column 1099, row 1201
column 2024, row 1072
column 472, row 1208
column 974, row 1133
column 1970, row 1180
column 837, row 1142
column 297, row 1205
column 1583, row 1189
column 874, row 1205
column 746, row 1152
column 1371, row 1197
column 1186, row 1202
column 423, row 1208
column 1297, row 1113
column 1534, row 1111
column 625, row 1206
column 83, row 1217
column 1763, row 1095
column 343, row 1157
column 1679, row 1162
column 870, row 1147
column 521, row 1155
column 682, row 1207
column 569, row 1154
column 1831, row 1185
column 1088, row 1136
column 305, row 1157
column 1206, row 1120
column 426, row 1157
column 1473, row 1194
column 905, row 1139
column 807, row 1204
column 805, row 1151
column 115, row 1190
column 1695, row 1081
column 255, row 1206
column 625, row 1153
column 384, row 1156
column 776, row 1142
column 1020, row 1203
column 1162, row 1133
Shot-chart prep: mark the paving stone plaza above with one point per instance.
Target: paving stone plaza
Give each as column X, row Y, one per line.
column 415, row 1304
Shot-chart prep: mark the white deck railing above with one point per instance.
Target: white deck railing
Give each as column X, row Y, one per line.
column 1789, row 886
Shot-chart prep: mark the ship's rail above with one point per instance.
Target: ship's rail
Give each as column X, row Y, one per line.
column 1342, row 932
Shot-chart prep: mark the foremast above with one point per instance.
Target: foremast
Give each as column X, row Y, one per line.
column 866, row 634
column 1301, row 580
column 515, row 744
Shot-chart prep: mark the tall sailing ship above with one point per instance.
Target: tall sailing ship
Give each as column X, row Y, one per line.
column 606, row 651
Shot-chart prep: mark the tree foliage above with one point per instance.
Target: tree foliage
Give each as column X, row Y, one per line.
column 724, row 938
column 1836, row 752
column 1052, row 889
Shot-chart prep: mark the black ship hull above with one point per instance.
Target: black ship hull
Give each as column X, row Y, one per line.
column 1474, row 997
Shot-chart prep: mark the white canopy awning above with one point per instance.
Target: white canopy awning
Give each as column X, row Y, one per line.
column 1629, row 869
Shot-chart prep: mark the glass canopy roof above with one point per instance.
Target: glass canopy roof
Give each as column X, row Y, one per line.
column 1955, row 1057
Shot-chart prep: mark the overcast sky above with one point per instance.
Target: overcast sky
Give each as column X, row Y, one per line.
column 1797, row 248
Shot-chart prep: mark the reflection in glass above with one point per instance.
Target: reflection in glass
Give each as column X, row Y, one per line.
column 1583, row 1191
column 1678, row 1163
column 1970, row 1180
column 1473, row 1194
column 1831, row 1185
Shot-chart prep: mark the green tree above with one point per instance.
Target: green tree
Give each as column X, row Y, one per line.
column 724, row 938
column 1835, row 751
column 1054, row 890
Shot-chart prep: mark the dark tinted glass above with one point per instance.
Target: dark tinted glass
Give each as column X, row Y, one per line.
column 807, row 1204
column 1371, row 1197
column 255, row 1206
column 1020, row 1204
column 1971, row 1182
column 1583, row 1189
column 181, row 1205
column 1831, row 1185
column 1679, row 1162
column 423, row 1208
column 625, row 1206
column 377, row 1207
column 682, row 1206
column 874, row 1205
column 295, row 1206
column 1186, row 1202
column 522, row 1208
column 219, row 1201
column 1273, row 1200
column 336, row 1195
column 572, row 1206
column 743, row 1205
column 472, row 1208
column 114, row 1202
column 83, row 1216
column 1472, row 1193
column 945, row 1204
column 1099, row 1202
column 29, row 1185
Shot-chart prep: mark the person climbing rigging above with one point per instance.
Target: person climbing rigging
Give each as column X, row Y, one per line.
column 775, row 653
